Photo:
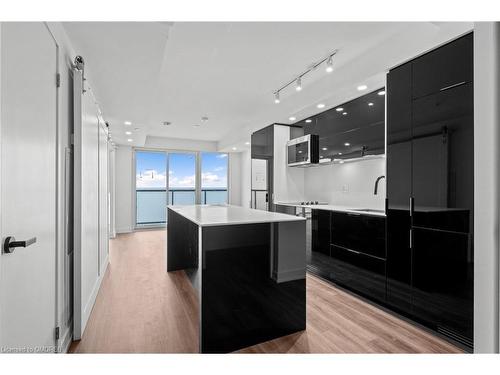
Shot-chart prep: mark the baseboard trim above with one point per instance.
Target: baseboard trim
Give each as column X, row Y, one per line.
column 67, row 339
column 123, row 230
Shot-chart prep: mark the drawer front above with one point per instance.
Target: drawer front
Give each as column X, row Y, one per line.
column 359, row 272
column 358, row 232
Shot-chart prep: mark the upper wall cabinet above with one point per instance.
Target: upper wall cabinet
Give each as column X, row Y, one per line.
column 438, row 71
column 350, row 130
column 263, row 143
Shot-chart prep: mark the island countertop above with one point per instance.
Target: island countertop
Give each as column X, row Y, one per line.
column 215, row 215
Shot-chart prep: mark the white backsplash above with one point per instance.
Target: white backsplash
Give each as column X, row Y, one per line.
column 348, row 184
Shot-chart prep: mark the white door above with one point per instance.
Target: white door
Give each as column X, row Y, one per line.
column 28, row 179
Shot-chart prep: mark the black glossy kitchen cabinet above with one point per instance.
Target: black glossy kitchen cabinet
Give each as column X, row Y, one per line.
column 320, row 228
column 430, row 189
column 350, row 130
column 263, row 143
column 359, row 232
column 443, row 68
column 358, row 251
column 349, row 249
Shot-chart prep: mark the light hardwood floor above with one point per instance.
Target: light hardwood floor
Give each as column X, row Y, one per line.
column 142, row 309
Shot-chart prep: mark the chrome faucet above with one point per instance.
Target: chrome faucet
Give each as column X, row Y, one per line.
column 376, row 184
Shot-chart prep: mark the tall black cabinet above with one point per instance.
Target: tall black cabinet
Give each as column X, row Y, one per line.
column 430, row 189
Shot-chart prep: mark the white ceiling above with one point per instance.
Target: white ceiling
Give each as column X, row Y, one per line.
column 148, row 73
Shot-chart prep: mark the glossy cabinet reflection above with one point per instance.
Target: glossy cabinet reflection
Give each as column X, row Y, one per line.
column 398, row 177
column 320, row 226
column 349, row 249
column 350, row 130
column 430, row 180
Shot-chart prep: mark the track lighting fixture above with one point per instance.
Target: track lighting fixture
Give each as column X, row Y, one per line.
column 298, row 81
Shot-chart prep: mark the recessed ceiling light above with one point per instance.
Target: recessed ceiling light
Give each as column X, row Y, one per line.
column 234, row 148
column 247, row 143
column 362, row 87
column 291, row 118
column 382, row 92
column 308, row 120
column 347, row 144
column 339, row 153
column 324, row 148
column 128, row 133
column 339, row 109
column 300, row 151
column 320, row 105
column 127, row 123
column 344, row 113
column 370, row 104
column 341, row 162
column 129, row 140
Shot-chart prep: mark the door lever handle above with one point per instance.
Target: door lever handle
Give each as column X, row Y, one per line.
column 10, row 243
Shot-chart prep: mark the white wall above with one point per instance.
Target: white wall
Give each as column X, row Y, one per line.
column 123, row 189
column 246, row 174
column 234, row 179
column 180, row 144
column 486, row 186
column 288, row 183
column 348, row 184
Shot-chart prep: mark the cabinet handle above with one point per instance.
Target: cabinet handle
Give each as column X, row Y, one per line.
column 352, row 251
column 412, row 206
column 452, row 86
column 411, row 240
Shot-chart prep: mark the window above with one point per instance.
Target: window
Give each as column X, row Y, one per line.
column 171, row 178
column 181, row 178
column 214, row 186
column 151, row 185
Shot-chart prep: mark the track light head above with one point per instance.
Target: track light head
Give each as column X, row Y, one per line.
column 298, row 84
column 329, row 64
column 277, row 97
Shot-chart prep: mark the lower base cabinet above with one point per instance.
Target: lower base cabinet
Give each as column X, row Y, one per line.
column 360, row 272
column 431, row 283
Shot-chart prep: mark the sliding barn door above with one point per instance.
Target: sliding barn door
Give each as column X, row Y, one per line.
column 90, row 202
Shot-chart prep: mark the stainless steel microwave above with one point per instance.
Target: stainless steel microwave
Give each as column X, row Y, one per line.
column 303, row 151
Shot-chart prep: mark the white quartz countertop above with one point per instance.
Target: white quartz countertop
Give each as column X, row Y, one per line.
column 214, row 215
column 332, row 207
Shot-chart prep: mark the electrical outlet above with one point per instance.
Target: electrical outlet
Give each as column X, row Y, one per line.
column 345, row 188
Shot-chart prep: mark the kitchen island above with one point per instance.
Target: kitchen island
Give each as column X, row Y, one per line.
column 248, row 267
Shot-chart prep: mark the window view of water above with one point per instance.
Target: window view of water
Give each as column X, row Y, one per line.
column 151, row 182
column 151, row 203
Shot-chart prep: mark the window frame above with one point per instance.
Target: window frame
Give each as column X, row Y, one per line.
column 198, row 188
